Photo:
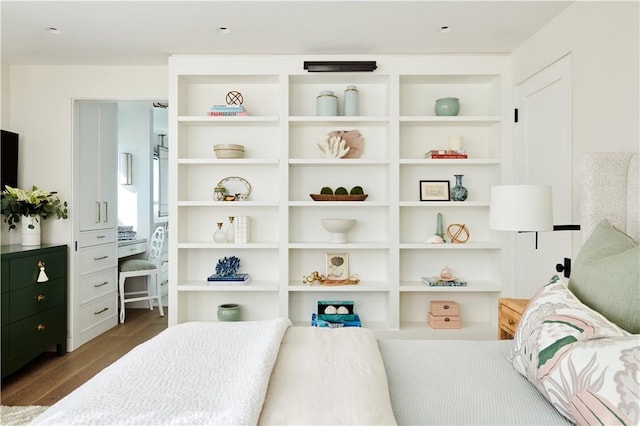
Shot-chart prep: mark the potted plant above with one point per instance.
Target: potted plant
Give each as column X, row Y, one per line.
column 30, row 206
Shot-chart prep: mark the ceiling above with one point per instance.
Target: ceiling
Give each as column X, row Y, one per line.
column 147, row 32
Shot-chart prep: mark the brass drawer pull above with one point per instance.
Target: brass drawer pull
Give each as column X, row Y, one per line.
column 101, row 311
column 40, row 297
column 41, row 327
column 511, row 322
column 101, row 236
column 42, row 276
column 100, row 258
column 101, row 284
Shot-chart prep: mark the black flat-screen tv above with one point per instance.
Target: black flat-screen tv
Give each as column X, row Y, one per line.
column 8, row 159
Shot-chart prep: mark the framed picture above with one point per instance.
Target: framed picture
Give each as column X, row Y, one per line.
column 434, row 190
column 337, row 266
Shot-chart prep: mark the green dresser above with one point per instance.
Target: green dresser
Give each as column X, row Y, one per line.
column 34, row 314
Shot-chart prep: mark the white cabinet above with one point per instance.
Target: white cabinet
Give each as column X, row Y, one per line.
column 97, row 165
column 94, row 263
column 386, row 249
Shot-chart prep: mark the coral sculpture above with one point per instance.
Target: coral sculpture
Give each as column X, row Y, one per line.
column 228, row 266
column 334, row 147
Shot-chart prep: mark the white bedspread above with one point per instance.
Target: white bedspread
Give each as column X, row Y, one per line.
column 183, row 376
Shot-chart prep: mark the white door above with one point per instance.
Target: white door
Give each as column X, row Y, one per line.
column 544, row 156
column 97, row 146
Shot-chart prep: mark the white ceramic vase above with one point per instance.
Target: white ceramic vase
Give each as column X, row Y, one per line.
column 30, row 226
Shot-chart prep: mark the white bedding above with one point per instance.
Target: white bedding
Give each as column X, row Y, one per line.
column 192, row 374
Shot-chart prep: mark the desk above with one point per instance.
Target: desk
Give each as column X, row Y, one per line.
column 128, row 248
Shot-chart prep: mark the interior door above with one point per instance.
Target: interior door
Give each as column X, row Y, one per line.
column 97, row 171
column 544, row 156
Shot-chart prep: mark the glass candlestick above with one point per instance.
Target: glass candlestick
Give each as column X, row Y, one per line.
column 231, row 231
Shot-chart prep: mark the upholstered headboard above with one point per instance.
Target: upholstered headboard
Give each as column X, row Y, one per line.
column 606, row 271
column 611, row 191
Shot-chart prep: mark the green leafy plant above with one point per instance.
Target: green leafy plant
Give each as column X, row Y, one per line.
column 36, row 202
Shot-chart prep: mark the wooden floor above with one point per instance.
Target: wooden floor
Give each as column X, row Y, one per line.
column 49, row 377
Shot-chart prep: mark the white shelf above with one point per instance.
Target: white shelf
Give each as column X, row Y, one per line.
column 337, row 119
column 347, row 246
column 336, row 162
column 448, row 121
column 355, row 204
column 473, row 245
column 471, row 287
column 206, row 120
column 235, row 204
column 236, row 161
column 206, row 286
column 461, row 204
column 235, row 246
column 367, row 287
column 452, row 161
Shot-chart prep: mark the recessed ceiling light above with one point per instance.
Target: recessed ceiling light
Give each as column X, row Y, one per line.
column 224, row 30
column 53, row 31
column 445, row 29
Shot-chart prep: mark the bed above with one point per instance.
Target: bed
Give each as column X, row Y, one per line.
column 575, row 357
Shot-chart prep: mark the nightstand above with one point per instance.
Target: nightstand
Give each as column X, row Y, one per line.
column 509, row 313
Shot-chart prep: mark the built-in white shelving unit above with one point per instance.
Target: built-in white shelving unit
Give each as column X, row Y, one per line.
column 386, row 248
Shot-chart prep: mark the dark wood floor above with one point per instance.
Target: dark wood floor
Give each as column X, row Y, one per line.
column 49, row 377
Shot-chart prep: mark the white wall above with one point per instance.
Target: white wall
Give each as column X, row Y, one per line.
column 40, row 111
column 603, row 40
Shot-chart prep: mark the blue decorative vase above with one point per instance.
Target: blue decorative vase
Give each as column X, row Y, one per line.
column 447, row 106
column 459, row 192
column 229, row 312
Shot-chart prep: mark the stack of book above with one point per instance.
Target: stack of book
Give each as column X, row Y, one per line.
column 229, row 279
column 241, row 229
column 445, row 154
column 227, row 110
column 442, row 282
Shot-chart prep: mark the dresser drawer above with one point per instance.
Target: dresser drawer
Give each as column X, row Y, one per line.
column 509, row 319
column 24, row 271
column 97, row 285
column 37, row 331
column 93, row 238
column 100, row 310
column 36, row 299
column 94, row 259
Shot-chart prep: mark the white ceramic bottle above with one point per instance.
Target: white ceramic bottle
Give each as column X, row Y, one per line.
column 351, row 101
column 326, row 104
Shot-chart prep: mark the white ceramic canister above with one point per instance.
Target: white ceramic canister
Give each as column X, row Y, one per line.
column 326, row 104
column 351, row 101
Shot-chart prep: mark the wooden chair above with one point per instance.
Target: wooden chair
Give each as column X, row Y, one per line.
column 143, row 268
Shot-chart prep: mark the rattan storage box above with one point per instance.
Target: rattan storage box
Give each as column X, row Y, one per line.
column 444, row 314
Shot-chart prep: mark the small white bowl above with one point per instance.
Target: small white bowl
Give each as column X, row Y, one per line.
column 229, row 151
column 338, row 228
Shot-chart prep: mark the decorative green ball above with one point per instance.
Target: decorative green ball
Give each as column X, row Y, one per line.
column 341, row 191
column 326, row 190
column 357, row 190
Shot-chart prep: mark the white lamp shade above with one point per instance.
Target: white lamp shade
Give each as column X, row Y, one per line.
column 521, row 208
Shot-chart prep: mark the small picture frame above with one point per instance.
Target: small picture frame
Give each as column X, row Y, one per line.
column 337, row 266
column 434, row 190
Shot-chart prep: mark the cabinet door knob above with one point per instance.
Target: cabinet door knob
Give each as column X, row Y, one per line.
column 511, row 322
column 40, row 297
column 42, row 276
column 41, row 327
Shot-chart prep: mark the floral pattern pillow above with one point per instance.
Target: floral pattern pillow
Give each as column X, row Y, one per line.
column 554, row 319
column 554, row 322
column 597, row 382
